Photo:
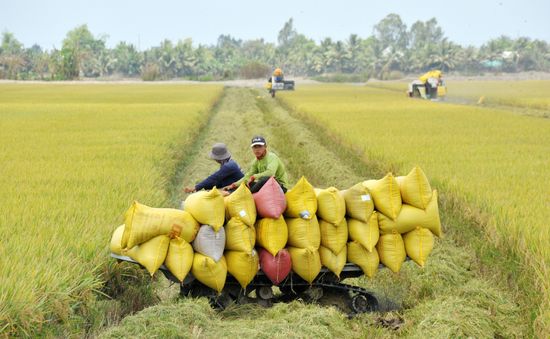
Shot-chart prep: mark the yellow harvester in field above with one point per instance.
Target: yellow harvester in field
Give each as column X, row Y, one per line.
column 277, row 83
column 429, row 86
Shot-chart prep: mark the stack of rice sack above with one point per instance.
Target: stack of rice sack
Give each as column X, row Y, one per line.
column 304, row 237
column 272, row 231
column 242, row 259
column 371, row 222
column 209, row 263
column 153, row 236
column 331, row 212
column 387, row 202
column 408, row 216
column 363, row 229
column 417, row 221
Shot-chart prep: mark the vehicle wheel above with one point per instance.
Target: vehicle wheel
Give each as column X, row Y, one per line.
column 361, row 303
column 221, row 301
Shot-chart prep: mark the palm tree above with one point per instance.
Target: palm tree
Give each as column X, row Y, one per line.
column 446, row 55
column 166, row 60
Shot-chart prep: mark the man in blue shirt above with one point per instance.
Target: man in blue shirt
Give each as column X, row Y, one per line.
column 228, row 173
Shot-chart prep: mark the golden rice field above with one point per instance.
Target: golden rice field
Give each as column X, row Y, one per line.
column 533, row 94
column 529, row 94
column 72, row 159
column 498, row 161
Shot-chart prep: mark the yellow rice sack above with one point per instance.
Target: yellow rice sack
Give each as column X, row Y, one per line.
column 242, row 266
column 418, row 244
column 386, row 195
column 415, row 188
column 331, row 205
column 411, row 217
column 303, row 232
column 359, row 204
column 239, row 236
column 368, row 261
column 334, row 262
column 391, row 250
column 272, row 234
column 151, row 254
column 366, row 234
column 306, row 262
column 209, row 272
column 301, row 200
column 116, row 240
column 179, row 258
column 144, row 223
column 240, row 204
column 189, row 229
column 207, row 207
column 334, row 237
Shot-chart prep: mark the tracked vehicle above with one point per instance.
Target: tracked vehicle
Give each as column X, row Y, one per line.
column 326, row 289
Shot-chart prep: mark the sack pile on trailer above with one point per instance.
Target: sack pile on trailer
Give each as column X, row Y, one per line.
column 372, row 222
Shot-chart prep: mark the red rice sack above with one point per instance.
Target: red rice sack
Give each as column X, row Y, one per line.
column 270, row 200
column 276, row 268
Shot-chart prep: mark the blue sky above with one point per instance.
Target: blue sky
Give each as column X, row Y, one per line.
column 146, row 23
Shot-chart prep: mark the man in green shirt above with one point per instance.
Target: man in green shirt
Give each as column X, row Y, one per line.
column 267, row 164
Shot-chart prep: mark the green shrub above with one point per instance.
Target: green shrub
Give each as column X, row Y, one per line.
column 150, row 72
column 254, row 70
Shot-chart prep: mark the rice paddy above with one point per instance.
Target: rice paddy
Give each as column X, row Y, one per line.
column 73, row 158
column 496, row 160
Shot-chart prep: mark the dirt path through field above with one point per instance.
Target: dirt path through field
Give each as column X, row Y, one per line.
column 245, row 112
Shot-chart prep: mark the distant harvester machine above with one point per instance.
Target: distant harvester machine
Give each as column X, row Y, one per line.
column 429, row 86
column 277, row 83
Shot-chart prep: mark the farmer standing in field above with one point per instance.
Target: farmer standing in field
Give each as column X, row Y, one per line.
column 229, row 170
column 266, row 165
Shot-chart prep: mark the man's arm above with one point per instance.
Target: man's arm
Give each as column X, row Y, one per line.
column 251, row 171
column 211, row 181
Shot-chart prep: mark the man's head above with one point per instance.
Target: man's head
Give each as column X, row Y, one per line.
column 220, row 152
column 259, row 146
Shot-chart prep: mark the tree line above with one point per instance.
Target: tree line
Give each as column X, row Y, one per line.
column 392, row 50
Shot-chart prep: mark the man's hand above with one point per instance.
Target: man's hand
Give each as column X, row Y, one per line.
column 230, row 187
column 189, row 189
column 250, row 181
